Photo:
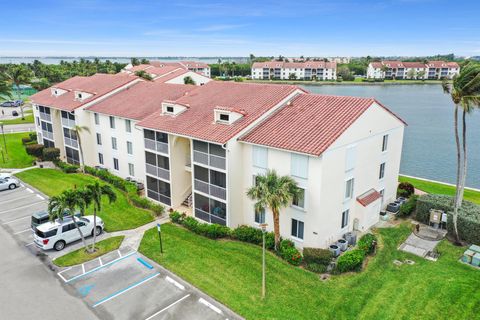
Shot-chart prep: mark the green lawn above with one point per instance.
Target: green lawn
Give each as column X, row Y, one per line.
column 81, row 255
column 120, row 215
column 440, row 188
column 18, row 120
column 230, row 271
column 17, row 156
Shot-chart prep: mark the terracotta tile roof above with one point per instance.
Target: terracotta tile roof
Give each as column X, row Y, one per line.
column 310, row 124
column 437, row 64
column 139, row 67
column 98, row 84
column 171, row 75
column 369, row 197
column 157, row 63
column 419, row 65
column 140, row 100
column 393, row 64
column 198, row 120
column 377, row 65
column 453, row 65
column 194, row 64
column 293, row 65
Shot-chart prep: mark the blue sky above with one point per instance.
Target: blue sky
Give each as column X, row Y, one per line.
column 238, row 28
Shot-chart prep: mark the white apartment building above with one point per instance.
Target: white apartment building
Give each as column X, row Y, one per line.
column 308, row 70
column 202, row 146
column 432, row 70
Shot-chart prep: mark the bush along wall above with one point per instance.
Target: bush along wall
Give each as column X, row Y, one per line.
column 468, row 215
column 287, row 250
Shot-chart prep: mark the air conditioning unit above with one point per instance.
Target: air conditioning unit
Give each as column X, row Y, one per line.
column 334, row 249
column 351, row 238
column 342, row 244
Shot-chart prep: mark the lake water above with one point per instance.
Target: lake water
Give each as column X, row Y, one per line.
column 429, row 143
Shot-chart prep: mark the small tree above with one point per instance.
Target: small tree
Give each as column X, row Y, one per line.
column 20, row 74
column 292, row 76
column 421, row 74
column 5, row 87
column 134, row 61
column 143, row 74
column 188, row 80
column 411, row 74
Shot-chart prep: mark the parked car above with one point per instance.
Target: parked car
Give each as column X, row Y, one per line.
column 14, row 113
column 8, row 104
column 57, row 234
column 5, row 176
column 18, row 103
column 42, row 217
column 9, row 183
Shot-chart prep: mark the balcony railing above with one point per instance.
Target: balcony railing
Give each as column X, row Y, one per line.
column 159, row 197
column 45, row 116
column 209, row 159
column 156, row 145
column 68, row 123
column 158, row 172
column 205, row 216
column 71, row 142
column 210, row 189
column 47, row 135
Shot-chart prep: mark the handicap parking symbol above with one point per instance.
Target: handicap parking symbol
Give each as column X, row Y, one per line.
column 85, row 290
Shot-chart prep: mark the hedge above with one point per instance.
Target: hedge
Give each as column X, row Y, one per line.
column 405, row 189
column 351, row 260
column 468, row 220
column 34, row 150
column 51, row 154
column 367, row 243
column 254, row 235
column 317, row 256
column 66, row 167
column 289, row 253
column 408, row 207
column 26, row 140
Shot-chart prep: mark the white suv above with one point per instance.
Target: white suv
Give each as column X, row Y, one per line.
column 59, row 233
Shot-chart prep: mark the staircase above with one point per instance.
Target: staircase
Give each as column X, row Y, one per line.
column 188, row 201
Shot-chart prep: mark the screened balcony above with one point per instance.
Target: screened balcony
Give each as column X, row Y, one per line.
column 209, row 154
column 156, row 141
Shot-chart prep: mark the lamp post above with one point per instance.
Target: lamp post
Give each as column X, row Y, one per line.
column 264, row 229
column 159, row 229
column 4, row 141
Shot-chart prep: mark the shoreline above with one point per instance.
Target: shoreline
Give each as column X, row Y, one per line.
column 347, row 83
column 436, row 181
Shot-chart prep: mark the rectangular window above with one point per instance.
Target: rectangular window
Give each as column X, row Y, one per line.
column 129, row 147
column 131, row 169
column 99, row 139
column 97, row 118
column 114, row 143
column 224, row 117
column 128, row 125
column 170, row 109
column 382, row 193
column 112, row 122
column 297, row 228
column 299, row 165
column 100, row 158
column 349, row 188
column 260, row 157
column 115, row 164
column 260, row 215
column 299, row 200
column 345, row 218
column 385, row 142
column 381, row 174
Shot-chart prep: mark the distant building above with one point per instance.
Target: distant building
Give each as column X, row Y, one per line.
column 340, row 59
column 307, row 70
column 198, row 67
column 168, row 73
column 433, row 70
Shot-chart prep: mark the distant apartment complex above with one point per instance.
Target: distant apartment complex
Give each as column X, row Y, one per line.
column 161, row 67
column 199, row 148
column 433, row 70
column 308, row 70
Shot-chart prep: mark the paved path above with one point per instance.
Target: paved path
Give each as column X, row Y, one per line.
column 22, row 127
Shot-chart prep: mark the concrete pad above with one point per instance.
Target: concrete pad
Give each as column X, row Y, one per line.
column 415, row 250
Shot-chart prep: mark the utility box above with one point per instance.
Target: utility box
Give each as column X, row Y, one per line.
column 467, row 256
column 476, row 260
column 475, row 248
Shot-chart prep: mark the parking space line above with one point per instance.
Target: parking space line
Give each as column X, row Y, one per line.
column 120, row 292
column 211, row 306
column 29, row 190
column 119, row 253
column 16, row 199
column 98, row 268
column 175, row 283
column 14, row 220
column 39, row 196
column 167, row 307
column 23, row 231
column 83, row 268
column 22, row 207
column 100, row 260
column 60, row 274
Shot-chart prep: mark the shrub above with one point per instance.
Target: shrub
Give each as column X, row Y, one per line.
column 190, row 223
column 407, row 187
column 289, row 253
column 214, row 231
column 317, row 256
column 468, row 220
column 408, row 207
column 26, row 140
column 316, row 267
column 157, row 209
column 177, row 217
column 34, row 150
column 111, row 178
column 351, row 261
column 367, row 243
column 33, row 136
column 254, row 235
column 51, row 154
column 66, row 167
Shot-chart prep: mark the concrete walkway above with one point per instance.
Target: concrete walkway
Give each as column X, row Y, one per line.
column 424, row 243
column 133, row 237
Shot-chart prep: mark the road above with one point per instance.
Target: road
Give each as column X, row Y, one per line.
column 26, row 281
column 23, row 127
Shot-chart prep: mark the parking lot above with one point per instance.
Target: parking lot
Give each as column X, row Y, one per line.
column 122, row 284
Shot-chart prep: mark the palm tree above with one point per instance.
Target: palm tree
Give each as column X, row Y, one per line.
column 274, row 192
column 5, row 87
column 19, row 75
column 68, row 201
column 94, row 193
column 78, row 130
column 465, row 93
